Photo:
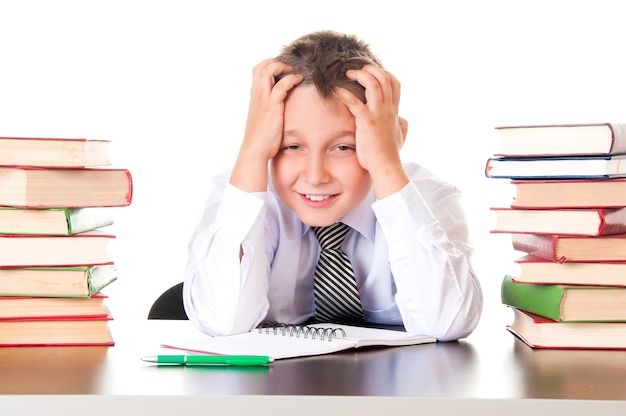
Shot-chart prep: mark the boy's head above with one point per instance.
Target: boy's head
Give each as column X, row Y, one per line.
column 316, row 172
column 324, row 57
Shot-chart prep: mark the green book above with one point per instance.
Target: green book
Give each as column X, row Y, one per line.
column 566, row 303
column 53, row 221
column 79, row 281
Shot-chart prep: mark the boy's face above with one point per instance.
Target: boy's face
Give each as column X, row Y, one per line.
column 316, row 172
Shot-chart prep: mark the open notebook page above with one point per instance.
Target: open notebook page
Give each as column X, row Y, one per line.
column 297, row 341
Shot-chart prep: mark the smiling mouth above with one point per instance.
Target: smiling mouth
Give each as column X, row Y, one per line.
column 317, row 198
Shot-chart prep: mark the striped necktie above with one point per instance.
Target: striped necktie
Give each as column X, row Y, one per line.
column 336, row 294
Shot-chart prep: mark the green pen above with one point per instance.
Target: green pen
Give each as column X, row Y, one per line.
column 239, row 360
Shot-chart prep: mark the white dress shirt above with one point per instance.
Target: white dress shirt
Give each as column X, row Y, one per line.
column 410, row 253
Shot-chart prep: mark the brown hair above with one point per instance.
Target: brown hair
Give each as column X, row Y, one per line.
column 324, row 57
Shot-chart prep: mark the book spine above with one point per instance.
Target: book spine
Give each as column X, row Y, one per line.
column 488, row 168
column 100, row 276
column 81, row 220
column 129, row 195
column 543, row 246
column 616, row 167
column 541, row 299
column 612, row 221
column 619, row 138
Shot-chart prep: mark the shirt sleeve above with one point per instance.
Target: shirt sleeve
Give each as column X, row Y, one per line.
column 219, row 299
column 429, row 255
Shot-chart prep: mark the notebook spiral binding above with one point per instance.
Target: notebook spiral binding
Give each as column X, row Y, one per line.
column 304, row 331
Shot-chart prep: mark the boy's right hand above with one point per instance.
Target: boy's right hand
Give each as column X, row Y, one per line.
column 264, row 126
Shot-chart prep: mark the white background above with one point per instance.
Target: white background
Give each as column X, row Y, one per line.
column 168, row 82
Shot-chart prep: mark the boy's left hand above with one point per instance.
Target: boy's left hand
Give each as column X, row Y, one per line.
column 380, row 132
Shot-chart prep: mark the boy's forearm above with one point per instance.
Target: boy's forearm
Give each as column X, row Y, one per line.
column 250, row 173
column 437, row 291
column 388, row 179
column 215, row 287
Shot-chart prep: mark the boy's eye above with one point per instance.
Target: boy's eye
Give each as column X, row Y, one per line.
column 344, row 148
column 291, row 147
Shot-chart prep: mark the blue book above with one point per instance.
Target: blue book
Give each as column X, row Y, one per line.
column 572, row 167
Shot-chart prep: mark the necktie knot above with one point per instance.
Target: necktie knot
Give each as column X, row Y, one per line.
column 332, row 236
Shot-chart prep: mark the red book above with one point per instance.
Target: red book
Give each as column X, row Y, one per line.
column 588, row 222
column 55, row 331
column 600, row 193
column 532, row 269
column 562, row 248
column 539, row 332
column 33, row 307
column 21, row 250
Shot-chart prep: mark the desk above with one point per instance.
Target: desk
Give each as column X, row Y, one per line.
column 484, row 374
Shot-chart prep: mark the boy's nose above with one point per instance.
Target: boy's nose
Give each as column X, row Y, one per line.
column 315, row 171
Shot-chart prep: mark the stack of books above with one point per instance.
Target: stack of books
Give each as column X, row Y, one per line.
column 56, row 201
column 568, row 221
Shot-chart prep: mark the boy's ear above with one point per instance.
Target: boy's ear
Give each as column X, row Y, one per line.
column 404, row 127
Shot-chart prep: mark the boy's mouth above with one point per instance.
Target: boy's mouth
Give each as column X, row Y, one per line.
column 317, row 198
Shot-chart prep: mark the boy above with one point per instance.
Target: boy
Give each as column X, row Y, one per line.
column 322, row 147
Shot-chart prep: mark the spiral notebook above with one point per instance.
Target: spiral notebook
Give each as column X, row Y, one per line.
column 289, row 341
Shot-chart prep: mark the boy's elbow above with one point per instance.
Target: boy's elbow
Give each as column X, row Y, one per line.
column 466, row 319
column 208, row 325
column 448, row 324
